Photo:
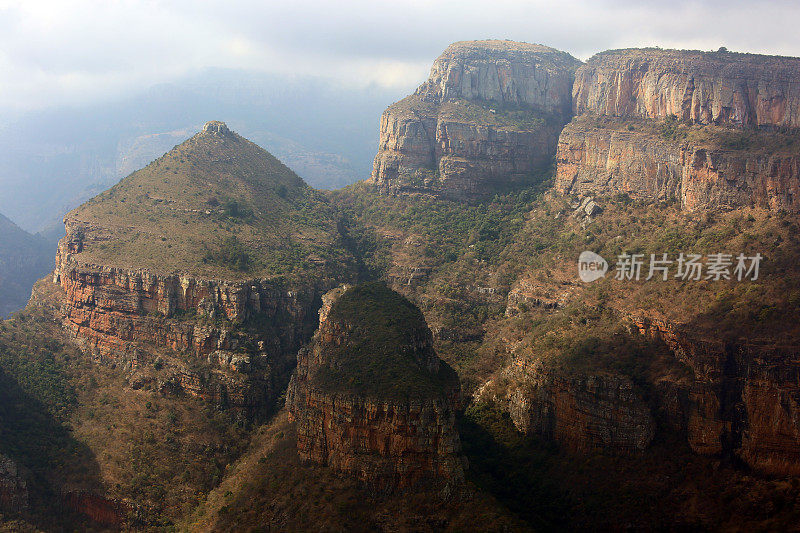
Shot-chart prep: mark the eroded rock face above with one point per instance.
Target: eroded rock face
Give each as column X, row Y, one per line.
column 609, row 159
column 487, row 118
column 503, row 72
column 581, row 412
column 13, row 487
column 744, row 399
column 390, row 441
column 185, row 334
column 720, row 88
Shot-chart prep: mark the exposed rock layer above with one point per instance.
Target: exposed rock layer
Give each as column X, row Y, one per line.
column 581, row 412
column 390, row 442
column 487, row 118
column 744, row 400
column 720, row 88
column 609, row 160
column 194, row 328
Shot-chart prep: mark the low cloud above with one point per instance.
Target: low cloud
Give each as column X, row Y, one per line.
column 54, row 52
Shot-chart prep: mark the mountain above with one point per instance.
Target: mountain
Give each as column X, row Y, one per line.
column 467, row 351
column 487, row 119
column 54, row 159
column 216, row 246
column 371, row 370
column 24, row 258
column 708, row 129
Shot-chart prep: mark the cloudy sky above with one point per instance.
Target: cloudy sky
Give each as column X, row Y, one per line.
column 56, row 52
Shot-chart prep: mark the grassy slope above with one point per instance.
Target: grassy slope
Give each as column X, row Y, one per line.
column 202, row 205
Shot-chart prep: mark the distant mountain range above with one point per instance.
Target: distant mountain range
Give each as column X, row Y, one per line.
column 24, row 258
column 51, row 161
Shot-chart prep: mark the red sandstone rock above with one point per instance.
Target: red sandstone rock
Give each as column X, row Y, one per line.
column 721, row 88
column 386, row 441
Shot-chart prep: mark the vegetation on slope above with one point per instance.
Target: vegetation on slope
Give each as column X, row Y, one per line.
column 24, row 258
column 215, row 206
column 384, row 350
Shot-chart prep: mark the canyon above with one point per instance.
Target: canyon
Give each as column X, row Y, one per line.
column 216, row 273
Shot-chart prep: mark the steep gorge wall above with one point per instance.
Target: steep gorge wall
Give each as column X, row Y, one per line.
column 582, row 412
column 613, row 145
column 723, row 88
column 193, row 327
column 599, row 159
column 744, row 399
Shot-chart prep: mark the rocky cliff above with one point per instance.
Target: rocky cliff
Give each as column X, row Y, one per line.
column 583, row 413
column 710, row 129
column 201, row 273
column 610, row 157
column 722, row 88
column 13, row 487
column 371, row 398
column 487, row 118
column 744, row 399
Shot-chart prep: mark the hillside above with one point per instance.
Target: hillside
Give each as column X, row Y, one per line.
column 216, row 206
column 24, row 258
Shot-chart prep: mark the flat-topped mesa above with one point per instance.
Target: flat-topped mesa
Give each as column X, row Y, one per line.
column 721, row 88
column 210, row 260
column 371, row 398
column 486, row 120
column 503, row 72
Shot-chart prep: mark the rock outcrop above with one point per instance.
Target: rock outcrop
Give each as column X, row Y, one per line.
column 582, row 412
column 668, row 124
column 13, row 487
column 721, row 88
column 194, row 328
column 605, row 157
column 487, row 118
column 744, row 399
column 371, row 398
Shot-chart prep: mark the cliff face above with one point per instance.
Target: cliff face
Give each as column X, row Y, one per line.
column 487, row 118
column 728, row 108
column 583, row 412
column 721, row 88
column 744, row 399
column 192, row 326
column 13, row 488
column 607, row 158
column 180, row 275
column 394, row 429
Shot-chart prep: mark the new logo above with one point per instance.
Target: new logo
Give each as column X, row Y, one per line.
column 591, row 266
